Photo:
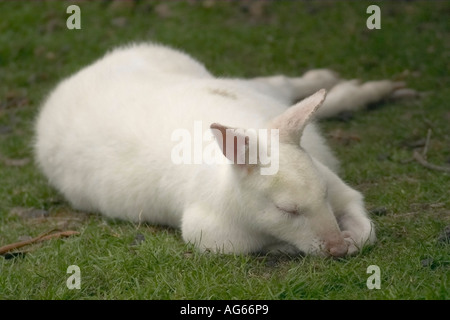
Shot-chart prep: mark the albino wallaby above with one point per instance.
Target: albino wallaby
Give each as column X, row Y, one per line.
column 109, row 139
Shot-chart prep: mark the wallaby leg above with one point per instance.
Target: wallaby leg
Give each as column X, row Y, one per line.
column 343, row 95
column 348, row 207
column 352, row 217
column 290, row 90
column 351, row 95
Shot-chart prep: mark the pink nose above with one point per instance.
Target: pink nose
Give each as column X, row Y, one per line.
column 338, row 250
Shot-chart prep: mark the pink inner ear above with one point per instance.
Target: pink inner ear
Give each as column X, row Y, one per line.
column 228, row 140
column 220, row 135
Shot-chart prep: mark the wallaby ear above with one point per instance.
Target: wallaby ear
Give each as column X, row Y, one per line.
column 292, row 122
column 233, row 142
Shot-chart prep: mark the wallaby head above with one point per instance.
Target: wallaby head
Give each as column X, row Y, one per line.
column 290, row 205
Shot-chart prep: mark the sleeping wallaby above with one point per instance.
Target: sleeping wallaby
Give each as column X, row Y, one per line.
column 148, row 134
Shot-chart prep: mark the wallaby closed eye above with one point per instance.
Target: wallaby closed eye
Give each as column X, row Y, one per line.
column 290, row 210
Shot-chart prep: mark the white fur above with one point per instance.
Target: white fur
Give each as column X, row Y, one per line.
column 104, row 141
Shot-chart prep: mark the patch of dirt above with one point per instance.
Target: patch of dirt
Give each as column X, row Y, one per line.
column 344, row 137
column 444, row 237
column 379, row 211
column 14, row 99
column 62, row 218
column 29, row 213
column 138, row 240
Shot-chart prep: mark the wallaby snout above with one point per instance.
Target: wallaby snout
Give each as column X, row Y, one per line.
column 338, row 250
column 336, row 246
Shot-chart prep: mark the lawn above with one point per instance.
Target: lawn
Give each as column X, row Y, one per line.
column 410, row 203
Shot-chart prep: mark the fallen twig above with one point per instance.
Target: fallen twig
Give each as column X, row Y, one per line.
column 420, row 159
column 45, row 236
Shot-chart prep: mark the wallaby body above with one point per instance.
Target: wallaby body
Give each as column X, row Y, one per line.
column 104, row 139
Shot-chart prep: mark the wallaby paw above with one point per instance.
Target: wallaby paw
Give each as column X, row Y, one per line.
column 378, row 90
column 351, row 241
column 398, row 85
column 327, row 78
column 387, row 89
column 357, row 240
column 404, row 94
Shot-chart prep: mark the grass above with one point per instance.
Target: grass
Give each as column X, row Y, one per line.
column 236, row 39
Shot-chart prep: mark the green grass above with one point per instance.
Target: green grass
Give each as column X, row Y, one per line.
column 233, row 39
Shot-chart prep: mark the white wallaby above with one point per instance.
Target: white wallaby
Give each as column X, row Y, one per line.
column 105, row 140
